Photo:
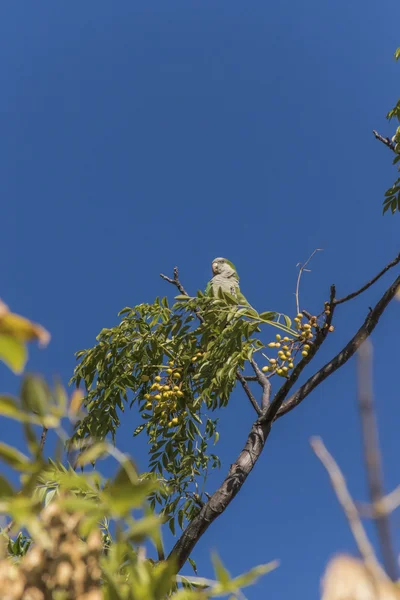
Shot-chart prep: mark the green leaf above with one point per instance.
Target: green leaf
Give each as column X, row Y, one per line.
column 13, row 353
column 221, row 574
column 267, row 316
column 251, row 576
column 6, row 489
column 139, row 429
column 216, row 437
column 288, row 321
column 193, row 564
column 91, row 454
column 14, row 457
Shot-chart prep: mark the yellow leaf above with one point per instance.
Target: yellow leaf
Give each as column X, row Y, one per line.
column 13, row 353
column 22, row 329
column 76, row 401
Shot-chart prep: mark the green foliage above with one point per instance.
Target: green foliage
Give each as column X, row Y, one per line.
column 177, row 365
column 118, row 504
column 392, row 195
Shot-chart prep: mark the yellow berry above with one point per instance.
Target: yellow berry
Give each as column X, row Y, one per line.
column 285, row 369
column 286, row 339
column 176, row 388
column 285, row 347
column 280, row 371
column 169, row 371
column 144, row 378
column 166, row 387
column 157, row 378
column 180, row 394
column 306, row 326
column 175, row 421
column 147, row 396
column 277, row 344
column 306, row 347
column 271, row 345
column 290, row 365
column 288, row 355
column 148, row 405
column 158, row 397
column 194, row 358
column 170, row 424
column 265, row 369
column 281, row 353
column 304, row 353
column 300, row 316
column 155, row 386
column 296, row 320
column 272, row 361
column 331, row 328
column 171, row 362
column 176, row 375
column 278, row 337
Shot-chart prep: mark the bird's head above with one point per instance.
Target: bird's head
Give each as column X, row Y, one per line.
column 222, row 265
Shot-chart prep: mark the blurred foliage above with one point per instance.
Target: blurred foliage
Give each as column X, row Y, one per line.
column 15, row 332
column 65, row 547
column 79, row 535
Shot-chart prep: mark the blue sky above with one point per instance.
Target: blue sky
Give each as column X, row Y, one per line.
column 140, row 135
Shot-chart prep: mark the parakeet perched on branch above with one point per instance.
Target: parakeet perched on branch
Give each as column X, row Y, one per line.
column 225, row 277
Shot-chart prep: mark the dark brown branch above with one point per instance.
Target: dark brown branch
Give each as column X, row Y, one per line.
column 250, row 378
column 265, row 384
column 322, row 333
column 248, row 392
column 385, row 140
column 393, row 263
column 260, row 430
column 344, row 355
column 372, row 456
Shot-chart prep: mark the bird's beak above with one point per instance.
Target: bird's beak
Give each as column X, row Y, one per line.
column 214, row 267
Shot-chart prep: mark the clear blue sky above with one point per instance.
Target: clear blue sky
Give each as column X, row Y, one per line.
column 140, row 135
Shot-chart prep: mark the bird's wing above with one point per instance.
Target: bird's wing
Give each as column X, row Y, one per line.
column 232, row 266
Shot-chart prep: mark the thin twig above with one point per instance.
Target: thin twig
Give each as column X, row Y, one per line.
column 393, row 263
column 248, row 392
column 277, row 403
column 175, row 281
column 302, row 268
column 343, row 495
column 385, row 140
column 372, row 455
column 43, row 438
column 265, row 384
column 345, row 354
column 385, row 506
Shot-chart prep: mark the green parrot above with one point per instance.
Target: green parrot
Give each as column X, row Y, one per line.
column 225, row 277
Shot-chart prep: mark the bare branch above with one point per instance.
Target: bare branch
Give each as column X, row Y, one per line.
column 43, row 438
column 248, row 392
column 276, row 405
column 302, row 268
column 343, row 495
column 385, row 140
column 393, row 263
column 372, row 455
column 175, row 281
column 385, row 506
column 344, row 355
column 265, row 384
